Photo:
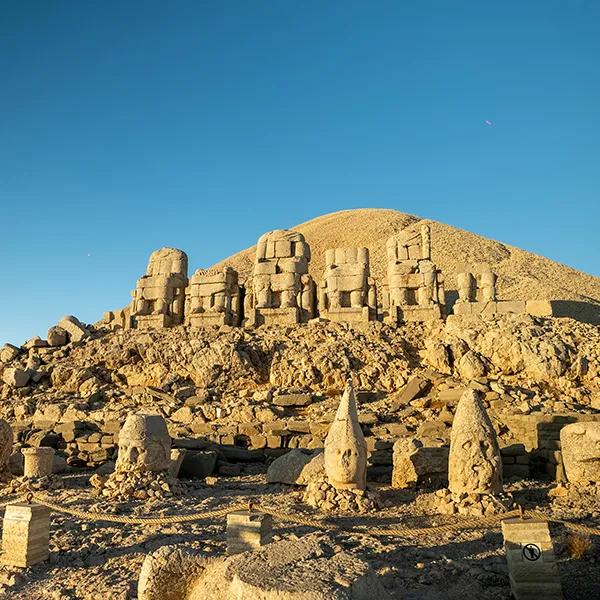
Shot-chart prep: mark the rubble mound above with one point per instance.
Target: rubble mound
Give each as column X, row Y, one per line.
column 324, row 496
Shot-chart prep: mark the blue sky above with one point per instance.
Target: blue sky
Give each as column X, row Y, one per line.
column 127, row 126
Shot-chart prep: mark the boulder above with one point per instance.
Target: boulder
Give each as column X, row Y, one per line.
column 74, row 328
column 35, row 342
column 296, row 468
column 292, row 399
column 198, row 464
column 580, row 444
column 8, row 352
column 57, row 336
column 470, row 366
column 16, row 377
column 309, row 568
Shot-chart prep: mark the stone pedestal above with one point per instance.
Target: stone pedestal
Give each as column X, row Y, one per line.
column 25, row 534
column 532, row 568
column 247, row 531
column 39, row 462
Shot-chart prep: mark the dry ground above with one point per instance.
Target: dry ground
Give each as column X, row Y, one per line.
column 102, row 560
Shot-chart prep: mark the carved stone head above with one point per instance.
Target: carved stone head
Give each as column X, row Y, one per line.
column 345, row 446
column 144, row 444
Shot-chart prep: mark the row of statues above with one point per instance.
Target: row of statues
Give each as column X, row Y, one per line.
column 281, row 290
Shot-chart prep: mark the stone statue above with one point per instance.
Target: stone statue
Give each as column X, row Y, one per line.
column 474, row 464
column 347, row 292
column 345, row 446
column 159, row 296
column 144, row 444
column 280, row 289
column 580, row 444
column 213, row 298
column 467, row 286
column 413, row 290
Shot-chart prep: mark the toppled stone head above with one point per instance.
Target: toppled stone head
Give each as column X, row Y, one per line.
column 144, row 444
column 474, row 464
column 345, row 446
column 580, row 443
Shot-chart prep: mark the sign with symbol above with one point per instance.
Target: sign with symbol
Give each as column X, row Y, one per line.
column 531, row 552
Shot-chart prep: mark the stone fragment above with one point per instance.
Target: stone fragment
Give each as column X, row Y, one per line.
column 35, row 342
column 75, row 329
column 25, row 534
column 309, row 568
column 16, row 377
column 177, row 456
column 474, row 464
column 6, row 442
column 532, row 568
column 57, row 336
column 8, row 352
column 345, row 446
column 413, row 389
column 470, row 366
column 292, row 399
column 580, row 445
column 248, row 531
column 296, row 467
column 198, row 464
column 39, row 462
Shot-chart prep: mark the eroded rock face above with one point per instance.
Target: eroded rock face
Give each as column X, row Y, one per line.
column 580, row 443
column 144, row 444
column 474, row 464
column 305, row 569
column 345, row 446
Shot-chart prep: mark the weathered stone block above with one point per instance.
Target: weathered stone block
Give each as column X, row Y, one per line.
column 25, row 534
column 248, row 531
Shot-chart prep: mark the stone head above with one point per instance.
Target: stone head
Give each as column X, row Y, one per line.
column 345, row 446
column 144, row 444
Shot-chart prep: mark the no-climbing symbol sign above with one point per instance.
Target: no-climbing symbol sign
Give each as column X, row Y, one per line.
column 531, row 552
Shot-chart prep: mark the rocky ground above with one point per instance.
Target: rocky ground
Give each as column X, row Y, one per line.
column 92, row 560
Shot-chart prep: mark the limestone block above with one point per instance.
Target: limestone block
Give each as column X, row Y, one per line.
column 511, row 306
column 539, row 308
column 470, row 366
column 580, row 444
column 532, row 568
column 35, row 342
column 57, row 336
column 474, row 464
column 39, row 462
column 74, row 328
column 248, row 531
column 6, row 442
column 25, row 534
column 177, row 456
column 16, row 377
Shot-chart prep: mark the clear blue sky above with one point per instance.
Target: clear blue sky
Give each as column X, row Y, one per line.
column 127, row 126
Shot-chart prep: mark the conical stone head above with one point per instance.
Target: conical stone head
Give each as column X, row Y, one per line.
column 345, row 446
column 474, row 464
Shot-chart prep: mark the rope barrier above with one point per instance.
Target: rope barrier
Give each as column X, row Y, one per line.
column 466, row 523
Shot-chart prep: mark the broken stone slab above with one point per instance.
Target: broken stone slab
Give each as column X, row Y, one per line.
column 309, row 568
column 35, row 342
column 292, row 399
column 413, row 389
column 16, row 377
column 296, row 467
column 74, row 328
